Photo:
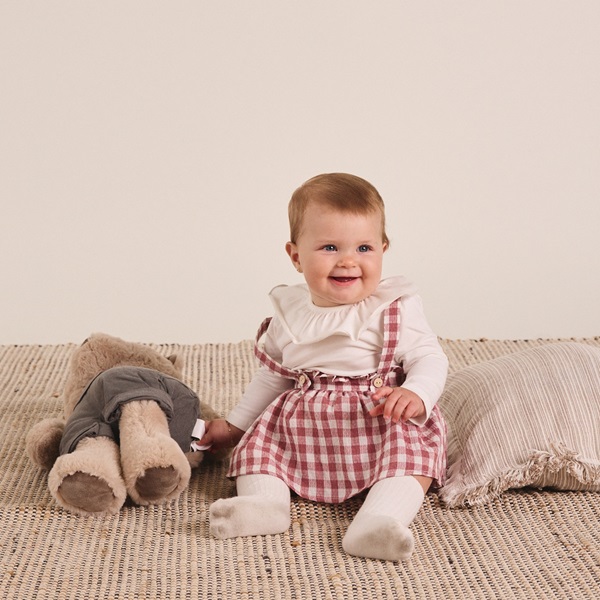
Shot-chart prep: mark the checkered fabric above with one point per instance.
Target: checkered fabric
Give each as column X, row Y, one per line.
column 319, row 438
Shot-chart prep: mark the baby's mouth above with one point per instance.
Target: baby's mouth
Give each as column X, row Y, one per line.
column 344, row 279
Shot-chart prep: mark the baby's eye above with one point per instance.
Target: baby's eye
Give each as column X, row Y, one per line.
column 364, row 248
column 329, row 248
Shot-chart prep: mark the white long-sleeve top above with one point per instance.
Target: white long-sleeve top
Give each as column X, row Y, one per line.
column 345, row 341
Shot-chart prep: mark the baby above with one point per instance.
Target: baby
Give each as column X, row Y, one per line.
column 345, row 399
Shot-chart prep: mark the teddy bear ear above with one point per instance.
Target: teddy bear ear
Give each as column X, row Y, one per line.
column 176, row 360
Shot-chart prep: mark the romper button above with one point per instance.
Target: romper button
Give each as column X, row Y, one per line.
column 378, row 382
column 302, row 379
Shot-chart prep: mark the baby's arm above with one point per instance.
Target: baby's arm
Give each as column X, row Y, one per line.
column 425, row 366
column 262, row 390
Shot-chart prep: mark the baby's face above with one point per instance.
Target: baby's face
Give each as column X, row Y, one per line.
column 340, row 255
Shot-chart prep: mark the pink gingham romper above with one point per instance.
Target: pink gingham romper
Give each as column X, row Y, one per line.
column 319, row 438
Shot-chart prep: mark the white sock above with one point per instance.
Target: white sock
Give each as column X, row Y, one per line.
column 380, row 528
column 261, row 507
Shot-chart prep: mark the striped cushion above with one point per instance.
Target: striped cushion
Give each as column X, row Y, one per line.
column 527, row 419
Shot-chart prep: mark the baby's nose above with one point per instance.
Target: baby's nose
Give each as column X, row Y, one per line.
column 346, row 260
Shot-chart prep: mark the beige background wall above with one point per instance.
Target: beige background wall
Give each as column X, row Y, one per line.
column 148, row 150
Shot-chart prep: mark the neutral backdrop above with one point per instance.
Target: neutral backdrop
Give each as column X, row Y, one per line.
column 148, row 151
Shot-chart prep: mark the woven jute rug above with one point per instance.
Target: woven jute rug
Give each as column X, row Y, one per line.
column 528, row 544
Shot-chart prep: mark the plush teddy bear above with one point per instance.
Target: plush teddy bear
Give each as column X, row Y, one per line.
column 127, row 429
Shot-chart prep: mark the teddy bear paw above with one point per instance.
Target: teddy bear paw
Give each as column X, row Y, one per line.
column 156, row 479
column 155, row 469
column 87, row 493
column 88, row 481
column 43, row 441
column 157, row 483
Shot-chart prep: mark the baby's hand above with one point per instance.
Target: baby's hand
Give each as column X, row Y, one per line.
column 400, row 404
column 220, row 434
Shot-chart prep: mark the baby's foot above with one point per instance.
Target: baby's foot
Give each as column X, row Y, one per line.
column 248, row 515
column 380, row 537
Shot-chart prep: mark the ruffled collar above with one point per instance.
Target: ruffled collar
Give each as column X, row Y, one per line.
column 306, row 323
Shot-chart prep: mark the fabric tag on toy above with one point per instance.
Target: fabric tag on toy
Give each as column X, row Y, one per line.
column 197, row 434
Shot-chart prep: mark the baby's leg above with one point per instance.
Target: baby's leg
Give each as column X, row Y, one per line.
column 261, row 507
column 380, row 528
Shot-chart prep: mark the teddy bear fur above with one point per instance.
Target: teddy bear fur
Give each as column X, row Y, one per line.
column 147, row 464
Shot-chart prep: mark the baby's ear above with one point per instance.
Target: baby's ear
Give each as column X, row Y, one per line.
column 292, row 251
column 176, row 360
